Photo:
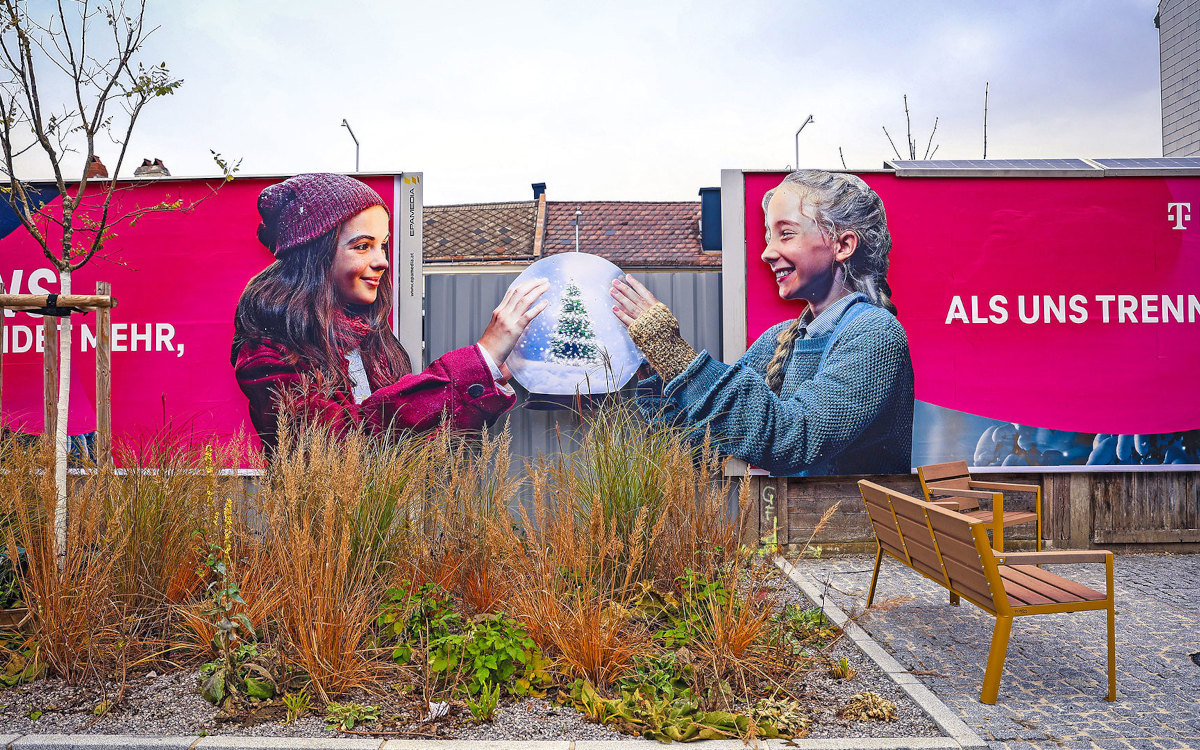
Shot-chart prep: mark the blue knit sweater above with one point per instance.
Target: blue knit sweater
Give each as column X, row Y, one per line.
column 850, row 415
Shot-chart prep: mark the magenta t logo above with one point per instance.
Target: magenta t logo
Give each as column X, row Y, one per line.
column 1179, row 213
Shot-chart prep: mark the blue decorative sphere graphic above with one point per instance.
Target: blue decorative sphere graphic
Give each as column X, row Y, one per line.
column 576, row 345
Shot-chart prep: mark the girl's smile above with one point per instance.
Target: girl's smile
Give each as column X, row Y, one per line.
column 802, row 257
column 361, row 257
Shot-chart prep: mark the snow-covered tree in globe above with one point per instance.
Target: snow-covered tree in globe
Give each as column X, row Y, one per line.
column 576, row 345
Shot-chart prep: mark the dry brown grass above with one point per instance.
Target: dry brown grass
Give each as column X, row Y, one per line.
column 75, row 617
column 322, row 540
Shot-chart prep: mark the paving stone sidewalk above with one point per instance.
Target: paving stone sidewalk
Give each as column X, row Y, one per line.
column 1055, row 679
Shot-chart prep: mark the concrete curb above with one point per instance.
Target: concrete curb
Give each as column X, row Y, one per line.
column 957, row 731
column 122, row 742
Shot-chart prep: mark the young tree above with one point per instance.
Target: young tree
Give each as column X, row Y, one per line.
column 70, row 78
column 574, row 342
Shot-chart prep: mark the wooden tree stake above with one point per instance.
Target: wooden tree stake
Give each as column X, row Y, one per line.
column 50, row 371
column 104, row 378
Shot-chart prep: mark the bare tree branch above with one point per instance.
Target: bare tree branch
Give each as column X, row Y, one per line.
column 889, row 137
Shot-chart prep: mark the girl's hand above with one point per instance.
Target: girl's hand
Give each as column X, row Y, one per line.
column 632, row 299
column 511, row 317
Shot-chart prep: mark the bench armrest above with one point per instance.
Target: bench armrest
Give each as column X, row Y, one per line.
column 1053, row 557
column 1004, row 486
column 954, row 492
column 948, row 504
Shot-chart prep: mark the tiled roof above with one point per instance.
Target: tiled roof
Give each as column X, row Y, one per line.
column 481, row 231
column 630, row 233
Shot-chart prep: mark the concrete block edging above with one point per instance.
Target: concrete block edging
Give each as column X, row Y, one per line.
column 959, row 734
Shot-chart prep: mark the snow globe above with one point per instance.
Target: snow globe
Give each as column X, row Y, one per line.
column 576, row 345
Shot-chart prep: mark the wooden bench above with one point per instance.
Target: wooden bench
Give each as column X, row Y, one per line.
column 952, row 549
column 952, row 482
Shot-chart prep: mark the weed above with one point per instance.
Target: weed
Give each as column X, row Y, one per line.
column 297, row 705
column 345, row 716
column 841, row 669
column 483, row 708
column 494, row 650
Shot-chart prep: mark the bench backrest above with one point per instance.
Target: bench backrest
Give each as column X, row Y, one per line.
column 943, row 545
column 952, row 474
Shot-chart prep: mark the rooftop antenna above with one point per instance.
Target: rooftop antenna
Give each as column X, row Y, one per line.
column 810, row 119
column 578, row 214
column 346, row 125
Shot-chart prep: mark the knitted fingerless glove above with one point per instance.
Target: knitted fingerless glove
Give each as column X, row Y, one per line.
column 656, row 333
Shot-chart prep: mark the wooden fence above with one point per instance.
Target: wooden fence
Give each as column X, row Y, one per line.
column 1144, row 511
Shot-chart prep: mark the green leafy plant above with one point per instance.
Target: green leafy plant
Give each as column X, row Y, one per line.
column 659, row 674
column 493, row 650
column 344, row 716
column 10, row 585
column 234, row 671
column 806, row 625
column 416, row 617
column 665, row 719
column 687, row 615
column 23, row 662
column 483, row 708
column 297, row 705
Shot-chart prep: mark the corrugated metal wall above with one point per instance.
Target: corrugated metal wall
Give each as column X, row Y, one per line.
column 459, row 305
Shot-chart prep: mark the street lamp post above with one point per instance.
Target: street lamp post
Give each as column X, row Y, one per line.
column 347, row 126
column 810, row 119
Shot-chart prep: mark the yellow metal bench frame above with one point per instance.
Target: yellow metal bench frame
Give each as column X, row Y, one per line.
column 952, row 482
column 953, row 550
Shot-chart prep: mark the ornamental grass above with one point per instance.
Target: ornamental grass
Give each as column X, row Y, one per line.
column 352, row 560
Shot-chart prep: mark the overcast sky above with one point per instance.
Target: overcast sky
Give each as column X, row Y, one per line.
column 641, row 100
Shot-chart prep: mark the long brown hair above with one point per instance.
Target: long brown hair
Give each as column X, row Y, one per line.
column 293, row 304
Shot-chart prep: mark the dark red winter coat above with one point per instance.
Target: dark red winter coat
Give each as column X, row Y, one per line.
column 457, row 387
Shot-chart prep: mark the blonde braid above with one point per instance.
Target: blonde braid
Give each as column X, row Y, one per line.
column 783, row 349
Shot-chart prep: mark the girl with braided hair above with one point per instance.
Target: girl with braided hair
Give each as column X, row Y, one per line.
column 828, row 393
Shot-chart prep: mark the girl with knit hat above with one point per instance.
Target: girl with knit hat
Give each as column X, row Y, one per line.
column 311, row 330
column 828, row 393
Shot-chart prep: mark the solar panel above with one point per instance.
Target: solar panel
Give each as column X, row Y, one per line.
column 994, row 164
column 1175, row 162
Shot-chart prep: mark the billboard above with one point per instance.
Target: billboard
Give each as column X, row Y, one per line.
column 177, row 277
column 1053, row 322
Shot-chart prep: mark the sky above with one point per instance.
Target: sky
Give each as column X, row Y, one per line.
column 640, row 100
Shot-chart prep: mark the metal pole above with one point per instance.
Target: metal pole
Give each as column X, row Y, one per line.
column 810, row 119
column 347, row 126
column 578, row 213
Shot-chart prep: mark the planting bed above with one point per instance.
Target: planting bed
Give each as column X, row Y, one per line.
column 169, row 704
column 398, row 588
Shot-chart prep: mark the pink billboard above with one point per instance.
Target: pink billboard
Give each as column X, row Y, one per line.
column 1051, row 321
column 177, row 277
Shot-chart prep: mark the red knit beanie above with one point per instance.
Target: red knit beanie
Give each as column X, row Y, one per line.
column 303, row 208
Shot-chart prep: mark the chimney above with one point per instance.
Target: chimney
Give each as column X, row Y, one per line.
column 96, row 168
column 710, row 219
column 151, row 169
column 539, row 189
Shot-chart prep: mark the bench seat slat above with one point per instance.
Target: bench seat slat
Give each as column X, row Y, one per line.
column 942, row 472
column 1010, row 517
column 1020, row 595
column 1055, row 587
